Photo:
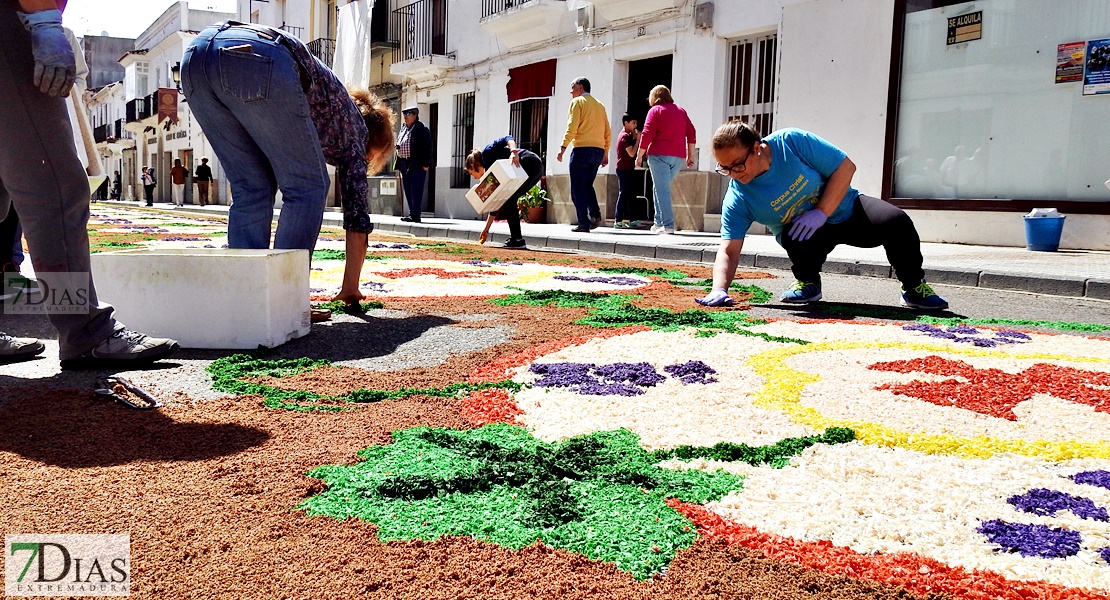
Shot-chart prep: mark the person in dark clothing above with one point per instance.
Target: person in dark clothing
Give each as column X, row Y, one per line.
column 479, row 160
column 116, row 187
column 414, row 158
column 203, row 177
column 11, row 235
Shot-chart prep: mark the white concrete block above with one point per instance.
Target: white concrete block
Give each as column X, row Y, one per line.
column 208, row 298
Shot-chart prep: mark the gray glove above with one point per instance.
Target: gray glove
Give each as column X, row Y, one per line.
column 55, row 65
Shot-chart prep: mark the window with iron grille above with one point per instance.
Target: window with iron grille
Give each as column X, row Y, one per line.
column 464, row 139
column 751, row 81
column 528, row 125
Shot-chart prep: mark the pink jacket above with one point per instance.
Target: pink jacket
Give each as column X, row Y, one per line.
column 667, row 130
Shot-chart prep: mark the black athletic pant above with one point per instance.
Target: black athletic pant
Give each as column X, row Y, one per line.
column 873, row 223
column 533, row 165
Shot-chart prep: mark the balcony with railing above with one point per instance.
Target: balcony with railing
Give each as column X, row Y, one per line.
column 101, row 133
column 521, row 22
column 419, row 31
column 381, row 42
column 323, row 49
column 297, row 31
column 141, row 108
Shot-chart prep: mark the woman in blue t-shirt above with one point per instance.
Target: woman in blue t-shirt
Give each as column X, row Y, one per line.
column 799, row 186
column 479, row 160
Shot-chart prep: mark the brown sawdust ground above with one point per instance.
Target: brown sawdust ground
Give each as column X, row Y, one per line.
column 208, row 491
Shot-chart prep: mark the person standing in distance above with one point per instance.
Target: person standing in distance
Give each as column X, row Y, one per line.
column 203, row 177
column 668, row 141
column 148, row 185
column 414, row 158
column 177, row 178
column 588, row 129
column 799, row 186
column 42, row 176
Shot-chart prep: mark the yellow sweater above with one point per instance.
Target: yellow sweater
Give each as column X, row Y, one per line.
column 588, row 126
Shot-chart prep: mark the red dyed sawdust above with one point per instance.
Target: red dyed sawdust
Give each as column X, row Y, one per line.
column 485, row 407
column 994, row 392
column 918, row 574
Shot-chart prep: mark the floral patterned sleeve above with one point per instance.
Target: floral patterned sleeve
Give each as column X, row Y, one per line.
column 342, row 133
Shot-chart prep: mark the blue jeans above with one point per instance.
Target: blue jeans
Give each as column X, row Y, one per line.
column 413, row 177
column 663, row 171
column 584, row 163
column 626, row 181
column 254, row 111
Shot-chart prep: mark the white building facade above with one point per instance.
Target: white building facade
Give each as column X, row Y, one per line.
column 148, row 85
column 876, row 77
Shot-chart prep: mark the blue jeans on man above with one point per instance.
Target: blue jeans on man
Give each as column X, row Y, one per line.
column 413, row 177
column 256, row 115
column 584, row 163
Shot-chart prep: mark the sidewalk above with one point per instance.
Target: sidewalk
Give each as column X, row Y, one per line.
column 1074, row 273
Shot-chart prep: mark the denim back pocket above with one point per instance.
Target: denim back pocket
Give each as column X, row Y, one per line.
column 244, row 75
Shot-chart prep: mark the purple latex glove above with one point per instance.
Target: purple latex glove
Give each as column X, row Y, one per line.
column 715, row 298
column 806, row 224
column 55, row 65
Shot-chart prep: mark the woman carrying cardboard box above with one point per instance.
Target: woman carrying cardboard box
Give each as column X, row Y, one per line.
column 479, row 160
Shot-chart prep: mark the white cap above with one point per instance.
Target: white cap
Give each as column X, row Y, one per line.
column 1043, row 212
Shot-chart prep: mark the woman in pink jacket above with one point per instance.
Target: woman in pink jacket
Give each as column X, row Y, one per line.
column 668, row 141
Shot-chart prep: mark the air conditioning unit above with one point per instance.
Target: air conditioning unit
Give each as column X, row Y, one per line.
column 585, row 18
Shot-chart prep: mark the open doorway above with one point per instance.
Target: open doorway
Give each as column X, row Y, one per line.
column 433, row 126
column 642, row 76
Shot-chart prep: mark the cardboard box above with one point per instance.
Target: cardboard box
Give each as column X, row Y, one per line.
column 209, row 298
column 498, row 184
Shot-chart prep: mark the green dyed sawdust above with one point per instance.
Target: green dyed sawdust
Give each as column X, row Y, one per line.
column 598, row 495
column 663, row 273
column 660, row 318
column 337, row 306
column 229, row 372
column 564, row 299
column 776, row 455
column 908, row 315
column 342, row 255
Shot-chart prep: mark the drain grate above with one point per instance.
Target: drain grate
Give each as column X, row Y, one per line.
column 701, row 244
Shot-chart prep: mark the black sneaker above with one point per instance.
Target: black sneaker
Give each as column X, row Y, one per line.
column 13, row 349
column 596, row 222
column 515, row 244
column 124, row 347
column 581, row 229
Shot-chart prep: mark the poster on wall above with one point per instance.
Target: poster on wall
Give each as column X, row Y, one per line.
column 1096, row 73
column 1069, row 62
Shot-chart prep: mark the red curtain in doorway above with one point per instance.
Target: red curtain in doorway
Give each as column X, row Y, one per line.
column 536, row 80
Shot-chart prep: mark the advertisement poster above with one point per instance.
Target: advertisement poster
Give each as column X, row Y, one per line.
column 1069, row 62
column 1096, row 73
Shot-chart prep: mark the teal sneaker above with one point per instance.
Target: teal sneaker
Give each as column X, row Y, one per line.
column 802, row 292
column 923, row 297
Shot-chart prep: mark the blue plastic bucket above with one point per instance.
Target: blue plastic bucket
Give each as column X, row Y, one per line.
column 1043, row 233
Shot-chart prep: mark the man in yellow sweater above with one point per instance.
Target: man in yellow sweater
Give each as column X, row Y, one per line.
column 588, row 130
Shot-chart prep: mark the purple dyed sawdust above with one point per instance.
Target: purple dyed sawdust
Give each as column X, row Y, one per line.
column 181, row 238
column 617, row 379
column 922, row 327
column 1047, row 503
column 1105, row 552
column 1017, row 335
column 694, row 371
column 373, row 285
column 981, row 342
column 1096, row 478
column 964, row 329
column 1032, row 540
column 616, row 280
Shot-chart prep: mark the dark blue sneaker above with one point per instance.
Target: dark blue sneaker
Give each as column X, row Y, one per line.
column 802, row 292
column 923, row 297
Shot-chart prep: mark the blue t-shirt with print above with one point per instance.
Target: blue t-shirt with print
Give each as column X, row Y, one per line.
column 801, row 163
